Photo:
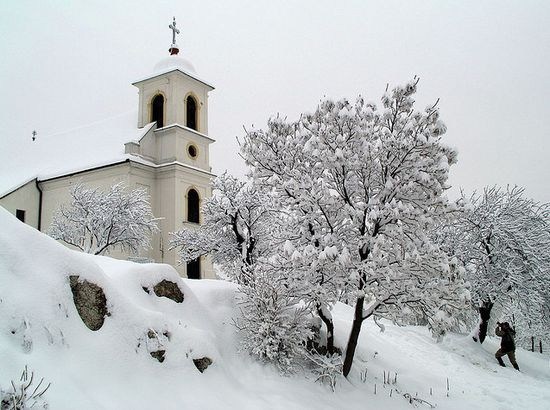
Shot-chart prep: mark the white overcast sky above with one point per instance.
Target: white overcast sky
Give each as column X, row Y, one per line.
column 65, row 64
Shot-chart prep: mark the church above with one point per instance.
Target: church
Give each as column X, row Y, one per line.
column 164, row 150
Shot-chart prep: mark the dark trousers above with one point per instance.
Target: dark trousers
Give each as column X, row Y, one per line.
column 511, row 355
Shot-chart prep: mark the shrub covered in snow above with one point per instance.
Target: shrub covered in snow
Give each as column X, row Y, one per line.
column 273, row 325
column 96, row 221
column 25, row 393
column 242, row 231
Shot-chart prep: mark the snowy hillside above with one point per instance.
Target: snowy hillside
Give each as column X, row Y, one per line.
column 113, row 368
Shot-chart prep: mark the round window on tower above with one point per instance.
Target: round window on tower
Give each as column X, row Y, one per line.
column 192, row 151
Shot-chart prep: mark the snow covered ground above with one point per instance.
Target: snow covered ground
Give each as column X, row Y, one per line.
column 112, row 368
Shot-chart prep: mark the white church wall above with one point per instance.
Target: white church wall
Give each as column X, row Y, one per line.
column 172, row 143
column 175, row 87
column 201, row 182
column 166, row 140
column 146, row 147
column 25, row 198
column 56, row 192
column 173, row 181
column 188, row 137
column 184, row 87
column 165, row 204
column 147, row 90
column 143, row 177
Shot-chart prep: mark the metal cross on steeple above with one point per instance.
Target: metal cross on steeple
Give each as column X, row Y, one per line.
column 174, row 31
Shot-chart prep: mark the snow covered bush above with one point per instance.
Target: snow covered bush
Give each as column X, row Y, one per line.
column 503, row 240
column 364, row 186
column 327, row 368
column 241, row 231
column 96, row 221
column 24, row 394
column 274, row 327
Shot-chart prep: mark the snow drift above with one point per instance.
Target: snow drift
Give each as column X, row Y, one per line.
column 112, row 368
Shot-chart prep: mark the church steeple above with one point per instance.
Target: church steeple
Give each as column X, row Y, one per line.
column 176, row 99
column 174, row 49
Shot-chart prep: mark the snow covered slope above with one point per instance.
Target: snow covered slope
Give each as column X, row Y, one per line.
column 112, row 369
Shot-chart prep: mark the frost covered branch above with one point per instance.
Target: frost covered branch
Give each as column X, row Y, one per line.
column 363, row 186
column 23, row 395
column 97, row 221
column 503, row 240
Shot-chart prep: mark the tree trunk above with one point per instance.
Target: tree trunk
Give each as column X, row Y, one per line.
column 354, row 335
column 330, row 330
column 485, row 315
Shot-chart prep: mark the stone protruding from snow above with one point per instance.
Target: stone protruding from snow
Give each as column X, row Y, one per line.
column 169, row 290
column 158, row 354
column 202, row 363
column 90, row 302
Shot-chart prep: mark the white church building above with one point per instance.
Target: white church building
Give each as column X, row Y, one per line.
column 165, row 150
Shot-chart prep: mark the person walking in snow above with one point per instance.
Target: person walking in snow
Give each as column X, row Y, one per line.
column 507, row 344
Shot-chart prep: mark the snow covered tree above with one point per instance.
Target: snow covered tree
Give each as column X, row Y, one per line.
column 314, row 266
column 364, row 186
column 241, row 233
column 97, row 222
column 238, row 228
column 503, row 239
column 276, row 327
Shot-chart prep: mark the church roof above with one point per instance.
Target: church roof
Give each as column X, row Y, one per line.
column 174, row 63
column 97, row 144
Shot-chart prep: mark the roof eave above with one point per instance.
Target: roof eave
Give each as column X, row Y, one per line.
column 136, row 83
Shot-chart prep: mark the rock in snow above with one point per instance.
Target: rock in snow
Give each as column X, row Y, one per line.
column 202, row 363
column 168, row 289
column 158, row 354
column 90, row 302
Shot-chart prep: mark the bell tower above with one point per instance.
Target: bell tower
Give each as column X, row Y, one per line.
column 173, row 103
column 176, row 99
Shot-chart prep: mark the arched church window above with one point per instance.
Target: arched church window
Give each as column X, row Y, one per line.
column 193, row 206
column 157, row 110
column 191, row 105
column 194, row 269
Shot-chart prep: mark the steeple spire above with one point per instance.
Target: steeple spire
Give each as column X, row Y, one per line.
column 174, row 47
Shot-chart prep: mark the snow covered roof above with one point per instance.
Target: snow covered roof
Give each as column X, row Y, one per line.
column 97, row 144
column 173, row 63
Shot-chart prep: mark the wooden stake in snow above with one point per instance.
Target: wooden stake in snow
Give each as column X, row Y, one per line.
column 447, row 387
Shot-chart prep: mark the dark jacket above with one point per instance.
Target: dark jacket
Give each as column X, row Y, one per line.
column 507, row 333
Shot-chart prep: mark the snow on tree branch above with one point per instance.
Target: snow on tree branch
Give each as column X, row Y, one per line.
column 238, row 221
column 97, row 221
column 503, row 240
column 242, row 231
column 364, row 185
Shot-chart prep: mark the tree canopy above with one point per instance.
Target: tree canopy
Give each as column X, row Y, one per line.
column 97, row 221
